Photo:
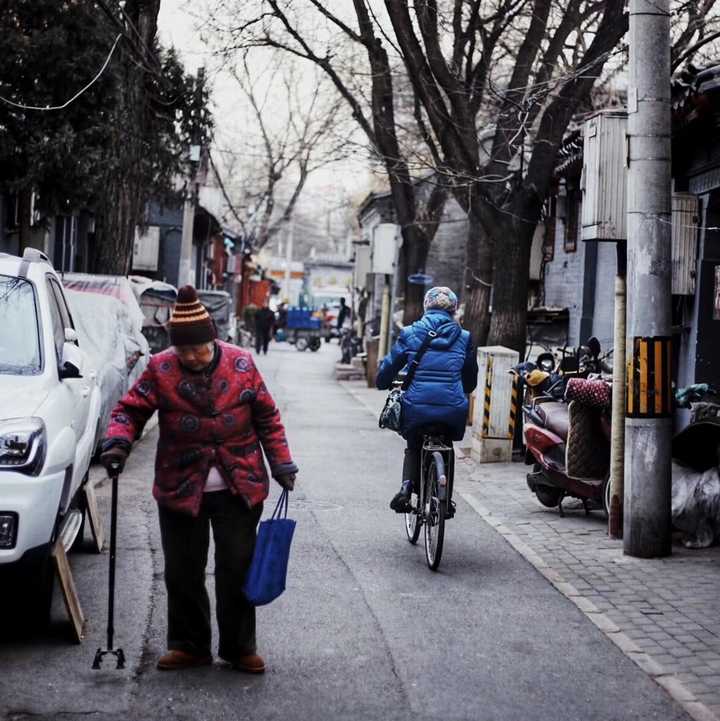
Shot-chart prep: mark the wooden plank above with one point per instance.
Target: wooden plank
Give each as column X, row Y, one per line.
column 93, row 515
column 69, row 592
column 658, row 378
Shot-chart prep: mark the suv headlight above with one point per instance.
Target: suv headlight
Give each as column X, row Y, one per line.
column 22, row 445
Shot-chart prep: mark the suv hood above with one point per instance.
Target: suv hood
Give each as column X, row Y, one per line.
column 21, row 395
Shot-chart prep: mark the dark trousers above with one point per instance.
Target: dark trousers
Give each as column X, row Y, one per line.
column 411, row 463
column 185, row 542
column 262, row 340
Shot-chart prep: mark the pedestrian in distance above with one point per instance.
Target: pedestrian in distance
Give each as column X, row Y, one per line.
column 437, row 396
column 264, row 328
column 282, row 317
column 216, row 419
column 343, row 314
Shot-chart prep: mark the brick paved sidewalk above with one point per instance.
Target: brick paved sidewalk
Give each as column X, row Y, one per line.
column 663, row 613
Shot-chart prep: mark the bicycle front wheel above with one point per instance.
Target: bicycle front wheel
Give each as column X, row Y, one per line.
column 413, row 521
column 434, row 511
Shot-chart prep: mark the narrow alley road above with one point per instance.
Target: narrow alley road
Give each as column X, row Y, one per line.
column 365, row 630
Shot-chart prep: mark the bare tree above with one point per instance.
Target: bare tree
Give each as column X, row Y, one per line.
column 519, row 70
column 363, row 78
column 278, row 158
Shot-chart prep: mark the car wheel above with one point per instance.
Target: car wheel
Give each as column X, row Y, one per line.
column 77, row 544
column 42, row 586
column 31, row 604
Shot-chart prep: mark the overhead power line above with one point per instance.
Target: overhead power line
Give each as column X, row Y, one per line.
column 47, row 108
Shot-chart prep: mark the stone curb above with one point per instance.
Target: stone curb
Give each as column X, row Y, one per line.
column 674, row 687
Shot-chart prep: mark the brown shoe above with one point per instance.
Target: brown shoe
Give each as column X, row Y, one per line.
column 177, row 660
column 249, row 663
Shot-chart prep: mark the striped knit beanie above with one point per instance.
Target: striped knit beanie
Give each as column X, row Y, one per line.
column 441, row 298
column 190, row 323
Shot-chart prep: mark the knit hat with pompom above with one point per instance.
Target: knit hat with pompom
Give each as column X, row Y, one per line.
column 190, row 323
column 441, row 298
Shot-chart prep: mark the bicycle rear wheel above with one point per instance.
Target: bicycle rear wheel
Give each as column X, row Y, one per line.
column 435, row 503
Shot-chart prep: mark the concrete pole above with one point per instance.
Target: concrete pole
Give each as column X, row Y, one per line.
column 288, row 258
column 185, row 274
column 384, row 320
column 617, row 448
column 647, row 530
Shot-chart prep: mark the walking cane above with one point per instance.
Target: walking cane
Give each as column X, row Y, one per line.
column 117, row 652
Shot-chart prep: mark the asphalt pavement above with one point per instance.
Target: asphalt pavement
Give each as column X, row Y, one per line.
column 364, row 630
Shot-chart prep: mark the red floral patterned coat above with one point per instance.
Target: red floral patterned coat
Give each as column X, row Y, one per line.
column 220, row 416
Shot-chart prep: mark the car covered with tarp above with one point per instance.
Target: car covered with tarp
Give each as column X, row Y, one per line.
column 157, row 300
column 219, row 304
column 109, row 324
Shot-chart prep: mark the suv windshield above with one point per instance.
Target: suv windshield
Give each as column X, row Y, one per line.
column 20, row 338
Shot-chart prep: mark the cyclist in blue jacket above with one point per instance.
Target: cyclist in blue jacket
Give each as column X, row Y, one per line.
column 437, row 396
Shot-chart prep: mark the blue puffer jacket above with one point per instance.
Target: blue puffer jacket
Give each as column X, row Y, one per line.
column 446, row 374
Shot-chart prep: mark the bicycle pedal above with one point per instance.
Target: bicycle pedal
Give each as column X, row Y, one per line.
column 450, row 510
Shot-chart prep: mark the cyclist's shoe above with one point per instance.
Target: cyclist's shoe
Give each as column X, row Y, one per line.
column 401, row 500
column 400, row 503
column 450, row 510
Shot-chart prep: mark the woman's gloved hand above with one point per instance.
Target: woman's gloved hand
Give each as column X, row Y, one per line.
column 114, row 460
column 287, row 481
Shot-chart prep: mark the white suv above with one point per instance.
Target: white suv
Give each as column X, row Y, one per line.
column 48, row 423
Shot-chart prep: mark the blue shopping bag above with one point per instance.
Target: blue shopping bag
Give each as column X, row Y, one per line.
column 265, row 579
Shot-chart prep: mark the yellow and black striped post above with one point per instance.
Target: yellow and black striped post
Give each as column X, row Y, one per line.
column 649, row 378
column 488, row 398
column 513, row 406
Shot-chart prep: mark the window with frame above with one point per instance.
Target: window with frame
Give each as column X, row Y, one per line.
column 56, row 319
column 550, row 229
column 62, row 304
column 572, row 221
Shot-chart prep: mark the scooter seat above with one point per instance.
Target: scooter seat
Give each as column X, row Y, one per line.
column 556, row 417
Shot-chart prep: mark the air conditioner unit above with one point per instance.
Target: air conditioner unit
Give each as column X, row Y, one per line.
column 604, row 176
column 684, row 242
column 384, row 248
column 146, row 249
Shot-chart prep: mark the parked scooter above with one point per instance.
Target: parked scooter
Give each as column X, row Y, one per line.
column 696, row 468
column 566, row 428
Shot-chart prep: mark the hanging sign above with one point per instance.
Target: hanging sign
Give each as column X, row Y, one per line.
column 420, row 279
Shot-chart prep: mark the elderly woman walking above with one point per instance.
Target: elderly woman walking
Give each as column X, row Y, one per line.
column 216, row 419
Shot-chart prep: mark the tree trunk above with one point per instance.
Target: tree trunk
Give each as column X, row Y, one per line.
column 478, row 279
column 415, row 251
column 508, row 326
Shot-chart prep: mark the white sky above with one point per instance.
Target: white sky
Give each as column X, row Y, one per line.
column 177, row 27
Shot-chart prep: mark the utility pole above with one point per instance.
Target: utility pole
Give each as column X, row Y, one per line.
column 647, row 529
column 186, row 244
column 617, row 447
column 288, row 258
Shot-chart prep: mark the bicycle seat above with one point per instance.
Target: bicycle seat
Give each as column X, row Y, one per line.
column 555, row 416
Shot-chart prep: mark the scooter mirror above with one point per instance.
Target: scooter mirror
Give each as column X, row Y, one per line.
column 546, row 362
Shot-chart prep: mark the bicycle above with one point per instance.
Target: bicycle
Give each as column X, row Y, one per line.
column 433, row 504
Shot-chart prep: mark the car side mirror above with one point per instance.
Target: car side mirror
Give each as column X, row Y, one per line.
column 73, row 361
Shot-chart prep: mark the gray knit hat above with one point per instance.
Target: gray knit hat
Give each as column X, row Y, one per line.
column 441, row 298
